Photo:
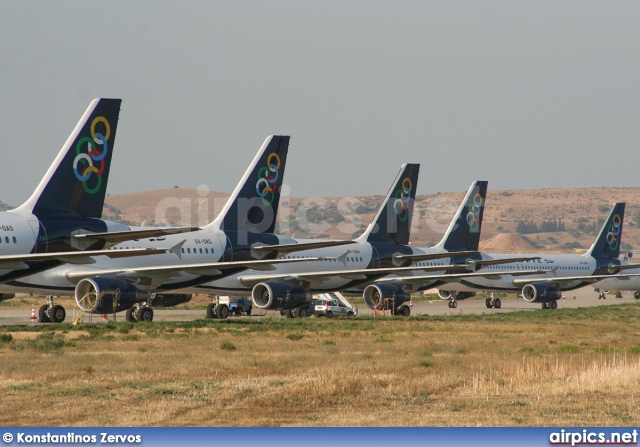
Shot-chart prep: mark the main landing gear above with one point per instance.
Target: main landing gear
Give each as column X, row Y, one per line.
column 493, row 302
column 139, row 313
column 51, row 313
column 550, row 305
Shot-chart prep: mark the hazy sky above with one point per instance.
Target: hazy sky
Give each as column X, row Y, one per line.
column 525, row 94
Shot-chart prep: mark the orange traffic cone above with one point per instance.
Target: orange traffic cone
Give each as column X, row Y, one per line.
column 104, row 316
column 33, row 313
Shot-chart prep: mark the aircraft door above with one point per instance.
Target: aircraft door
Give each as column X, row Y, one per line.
column 375, row 258
column 40, row 235
column 227, row 250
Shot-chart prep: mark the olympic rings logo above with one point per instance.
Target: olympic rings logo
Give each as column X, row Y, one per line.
column 84, row 162
column 403, row 195
column 614, row 232
column 473, row 215
column 266, row 185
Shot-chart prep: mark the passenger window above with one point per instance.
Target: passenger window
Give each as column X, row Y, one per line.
column 6, row 239
column 15, row 241
column 189, row 250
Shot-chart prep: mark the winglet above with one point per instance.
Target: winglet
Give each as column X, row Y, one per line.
column 464, row 231
column 76, row 182
column 610, row 237
column 392, row 223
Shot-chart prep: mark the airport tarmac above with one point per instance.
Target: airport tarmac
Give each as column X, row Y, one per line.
column 584, row 297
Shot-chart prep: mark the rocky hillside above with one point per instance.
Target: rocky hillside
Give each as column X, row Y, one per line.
column 548, row 219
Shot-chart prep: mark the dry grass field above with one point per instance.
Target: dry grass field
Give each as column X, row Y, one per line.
column 567, row 367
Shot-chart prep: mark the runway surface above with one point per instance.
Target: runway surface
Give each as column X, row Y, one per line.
column 583, row 298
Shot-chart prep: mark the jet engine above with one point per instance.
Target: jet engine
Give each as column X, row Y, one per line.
column 279, row 295
column 540, row 293
column 448, row 294
column 375, row 295
column 102, row 295
column 6, row 296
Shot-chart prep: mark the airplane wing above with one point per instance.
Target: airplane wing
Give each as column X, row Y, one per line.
column 428, row 256
column 122, row 236
column 18, row 262
column 290, row 248
column 163, row 272
column 568, row 279
column 617, row 268
column 417, row 281
column 355, row 274
column 475, row 265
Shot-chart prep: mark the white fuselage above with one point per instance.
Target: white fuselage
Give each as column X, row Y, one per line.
column 203, row 246
column 560, row 265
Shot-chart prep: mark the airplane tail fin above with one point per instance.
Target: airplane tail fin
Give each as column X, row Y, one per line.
column 253, row 205
column 464, row 231
column 76, row 182
column 610, row 237
column 392, row 224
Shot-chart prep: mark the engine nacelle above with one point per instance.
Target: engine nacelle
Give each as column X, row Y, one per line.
column 375, row 295
column 169, row 299
column 102, row 295
column 449, row 294
column 540, row 293
column 279, row 296
column 6, row 296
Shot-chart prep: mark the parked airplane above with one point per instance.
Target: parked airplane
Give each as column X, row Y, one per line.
column 550, row 274
column 61, row 221
column 381, row 250
column 617, row 285
column 240, row 237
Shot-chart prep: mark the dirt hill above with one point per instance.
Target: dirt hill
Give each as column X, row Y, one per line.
column 579, row 213
column 508, row 242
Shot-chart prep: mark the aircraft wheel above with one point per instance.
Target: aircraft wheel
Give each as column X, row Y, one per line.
column 288, row 313
column 636, row 295
column 545, row 305
column 454, row 304
column 57, row 314
column 222, row 311
column 553, row 305
column 43, row 314
column 144, row 314
column 449, row 304
column 497, row 303
column 130, row 315
column 211, row 311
